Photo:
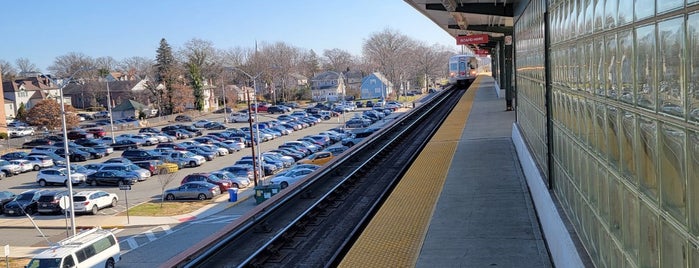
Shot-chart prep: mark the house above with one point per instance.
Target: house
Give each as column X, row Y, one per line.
column 375, row 85
column 129, row 109
column 94, row 93
column 327, row 86
column 30, row 91
column 353, row 80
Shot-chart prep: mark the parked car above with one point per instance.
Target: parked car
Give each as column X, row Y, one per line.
column 214, row 126
column 79, row 134
column 140, row 172
column 157, row 166
column 223, row 184
column 48, row 202
column 37, row 142
column 20, row 131
column 136, row 155
column 92, row 201
column 190, row 158
column 236, row 181
column 318, row 158
column 5, row 197
column 111, row 177
column 291, row 176
column 201, row 123
column 193, row 190
column 24, row 165
column 238, row 117
column 24, row 203
column 274, row 109
column 124, row 145
column 9, row 169
column 183, row 118
column 58, row 176
column 75, row 155
column 14, row 155
column 57, row 159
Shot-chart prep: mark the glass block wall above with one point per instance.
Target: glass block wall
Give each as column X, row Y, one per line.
column 625, row 115
column 530, row 81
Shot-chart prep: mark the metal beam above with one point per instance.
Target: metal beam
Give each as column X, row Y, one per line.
column 484, row 28
column 477, row 8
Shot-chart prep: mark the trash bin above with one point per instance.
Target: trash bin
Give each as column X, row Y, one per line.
column 232, row 194
column 264, row 192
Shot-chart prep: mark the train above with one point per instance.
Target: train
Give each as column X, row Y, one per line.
column 463, row 69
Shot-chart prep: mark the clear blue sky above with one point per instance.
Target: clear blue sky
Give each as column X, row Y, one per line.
column 43, row 30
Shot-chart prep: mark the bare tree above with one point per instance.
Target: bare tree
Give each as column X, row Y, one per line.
column 8, row 71
column 66, row 65
column 106, row 63
column 338, row 60
column 26, row 66
column 386, row 51
column 140, row 67
column 164, row 180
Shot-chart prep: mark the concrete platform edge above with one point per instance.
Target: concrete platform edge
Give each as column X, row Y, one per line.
column 561, row 247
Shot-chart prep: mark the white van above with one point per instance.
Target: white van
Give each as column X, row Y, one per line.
column 92, row 248
column 238, row 117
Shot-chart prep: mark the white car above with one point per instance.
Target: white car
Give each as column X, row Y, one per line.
column 58, row 176
column 40, row 161
column 92, row 201
column 24, row 165
column 238, row 117
column 220, row 151
column 20, row 131
column 236, row 144
column 160, row 138
column 238, row 182
column 9, row 169
column 291, row 176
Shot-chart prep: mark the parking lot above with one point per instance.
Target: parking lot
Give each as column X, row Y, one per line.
column 151, row 188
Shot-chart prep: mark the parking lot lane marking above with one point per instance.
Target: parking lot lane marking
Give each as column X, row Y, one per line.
column 132, row 243
column 167, row 229
column 149, row 234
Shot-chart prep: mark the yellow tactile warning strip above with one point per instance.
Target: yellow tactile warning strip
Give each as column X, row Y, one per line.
column 395, row 235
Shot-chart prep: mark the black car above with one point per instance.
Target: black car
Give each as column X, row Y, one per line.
column 275, row 110
column 24, row 203
column 37, row 142
column 5, row 197
column 112, row 177
column 136, row 155
column 48, row 202
column 183, row 118
column 124, row 145
column 148, row 130
column 14, row 156
column 74, row 154
column 192, row 129
column 214, row 126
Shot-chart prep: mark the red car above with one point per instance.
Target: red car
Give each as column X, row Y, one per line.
column 98, row 132
column 223, row 184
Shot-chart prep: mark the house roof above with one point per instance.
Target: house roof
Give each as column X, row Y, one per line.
column 381, row 77
column 114, row 86
column 29, row 84
column 129, row 105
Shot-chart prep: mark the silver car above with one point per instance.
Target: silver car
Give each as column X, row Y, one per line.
column 142, row 174
column 193, row 190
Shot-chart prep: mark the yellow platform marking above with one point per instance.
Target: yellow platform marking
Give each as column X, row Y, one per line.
column 395, row 235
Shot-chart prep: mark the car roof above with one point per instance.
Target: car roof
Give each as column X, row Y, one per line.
column 86, row 193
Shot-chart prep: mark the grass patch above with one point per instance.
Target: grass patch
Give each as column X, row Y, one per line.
column 169, row 208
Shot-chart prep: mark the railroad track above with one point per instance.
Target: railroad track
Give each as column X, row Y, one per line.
column 315, row 222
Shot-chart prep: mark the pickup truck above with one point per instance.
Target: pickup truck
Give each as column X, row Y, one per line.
column 190, row 158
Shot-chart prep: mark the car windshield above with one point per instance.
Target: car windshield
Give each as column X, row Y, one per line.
column 189, row 154
column 25, row 197
column 40, row 263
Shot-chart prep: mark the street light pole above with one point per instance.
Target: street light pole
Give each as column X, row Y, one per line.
column 67, row 152
column 258, row 168
column 109, row 111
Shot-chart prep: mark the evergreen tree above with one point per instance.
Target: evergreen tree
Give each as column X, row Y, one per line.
column 197, row 86
column 166, row 74
column 21, row 112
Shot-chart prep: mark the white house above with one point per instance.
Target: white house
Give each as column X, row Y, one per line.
column 327, row 86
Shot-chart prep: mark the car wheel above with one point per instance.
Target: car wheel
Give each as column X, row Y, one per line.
column 42, row 183
column 65, row 182
column 94, row 183
column 201, row 197
column 95, row 209
column 28, row 211
column 235, row 185
column 163, row 171
column 284, row 184
column 170, row 197
column 7, row 173
column 36, row 168
column 192, row 164
column 109, row 264
column 121, row 183
column 114, row 202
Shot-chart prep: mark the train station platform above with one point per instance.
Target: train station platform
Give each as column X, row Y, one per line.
column 464, row 202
